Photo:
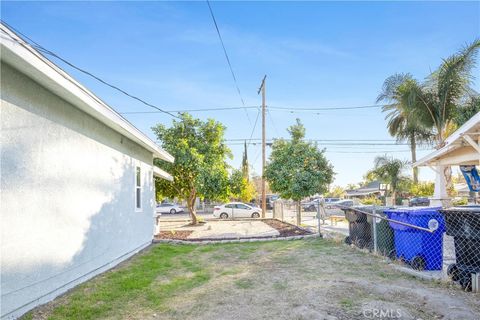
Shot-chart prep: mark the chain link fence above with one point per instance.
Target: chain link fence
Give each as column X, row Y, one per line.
column 440, row 243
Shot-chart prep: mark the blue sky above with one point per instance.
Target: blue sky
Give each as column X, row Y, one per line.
column 316, row 54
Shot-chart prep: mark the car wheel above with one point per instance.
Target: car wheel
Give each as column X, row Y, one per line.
column 173, row 211
column 224, row 215
column 255, row 215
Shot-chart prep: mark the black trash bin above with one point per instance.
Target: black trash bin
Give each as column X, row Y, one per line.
column 358, row 227
column 361, row 229
column 463, row 224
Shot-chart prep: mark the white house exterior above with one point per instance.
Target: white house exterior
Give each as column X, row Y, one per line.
column 461, row 148
column 77, row 189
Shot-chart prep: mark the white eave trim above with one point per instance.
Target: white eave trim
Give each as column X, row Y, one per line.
column 29, row 61
column 157, row 172
column 452, row 142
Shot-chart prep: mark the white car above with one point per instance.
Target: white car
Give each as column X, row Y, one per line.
column 236, row 210
column 168, row 208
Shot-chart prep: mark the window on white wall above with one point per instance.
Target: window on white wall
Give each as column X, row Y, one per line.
column 138, row 189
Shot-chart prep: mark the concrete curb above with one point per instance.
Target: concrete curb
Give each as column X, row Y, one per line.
column 229, row 240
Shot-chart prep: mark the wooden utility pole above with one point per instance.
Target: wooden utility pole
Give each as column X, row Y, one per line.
column 264, row 160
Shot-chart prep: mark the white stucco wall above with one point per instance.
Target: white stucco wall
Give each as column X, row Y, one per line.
column 67, row 195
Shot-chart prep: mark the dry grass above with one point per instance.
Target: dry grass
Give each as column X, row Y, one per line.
column 311, row 279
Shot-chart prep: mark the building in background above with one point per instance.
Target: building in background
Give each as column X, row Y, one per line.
column 372, row 189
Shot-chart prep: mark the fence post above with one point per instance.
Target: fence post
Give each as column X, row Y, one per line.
column 476, row 282
column 374, row 224
column 318, row 219
column 282, row 209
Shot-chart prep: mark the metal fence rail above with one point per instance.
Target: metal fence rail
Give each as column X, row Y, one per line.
column 443, row 244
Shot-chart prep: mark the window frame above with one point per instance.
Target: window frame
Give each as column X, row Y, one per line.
column 138, row 188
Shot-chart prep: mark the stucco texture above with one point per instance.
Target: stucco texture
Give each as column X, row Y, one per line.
column 67, row 195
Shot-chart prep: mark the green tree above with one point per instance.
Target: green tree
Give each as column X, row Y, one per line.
column 402, row 124
column 352, row 186
column 422, row 189
column 389, row 170
column 336, row 192
column 241, row 188
column 298, row 169
column 468, row 110
column 435, row 103
column 200, row 168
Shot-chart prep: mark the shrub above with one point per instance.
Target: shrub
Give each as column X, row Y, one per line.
column 372, row 200
column 460, row 202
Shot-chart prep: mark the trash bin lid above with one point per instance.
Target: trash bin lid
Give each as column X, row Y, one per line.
column 475, row 209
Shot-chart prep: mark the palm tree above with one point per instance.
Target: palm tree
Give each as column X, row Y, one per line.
column 435, row 103
column 390, row 171
column 401, row 123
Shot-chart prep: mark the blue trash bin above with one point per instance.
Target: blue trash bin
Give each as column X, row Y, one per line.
column 421, row 249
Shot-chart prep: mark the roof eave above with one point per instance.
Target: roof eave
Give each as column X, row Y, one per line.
column 29, row 61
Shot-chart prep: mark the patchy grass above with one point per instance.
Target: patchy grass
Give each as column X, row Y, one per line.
column 311, row 279
column 244, row 283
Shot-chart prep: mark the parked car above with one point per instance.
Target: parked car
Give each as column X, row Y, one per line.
column 236, row 210
column 271, row 198
column 313, row 205
column 339, row 204
column 419, row 201
column 171, row 208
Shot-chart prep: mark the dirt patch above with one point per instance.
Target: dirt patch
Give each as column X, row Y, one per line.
column 173, row 234
column 310, row 279
column 285, row 229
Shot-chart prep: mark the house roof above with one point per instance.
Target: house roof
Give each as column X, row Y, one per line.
column 21, row 56
column 461, row 147
column 370, row 188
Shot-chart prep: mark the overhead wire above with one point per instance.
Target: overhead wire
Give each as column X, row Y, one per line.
column 42, row 49
column 228, row 59
column 254, row 126
column 272, row 122
column 271, row 108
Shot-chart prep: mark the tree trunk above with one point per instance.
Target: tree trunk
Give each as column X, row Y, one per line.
column 448, row 181
column 394, row 197
column 413, row 149
column 299, row 214
column 192, row 209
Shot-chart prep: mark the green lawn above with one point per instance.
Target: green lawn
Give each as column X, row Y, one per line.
column 279, row 279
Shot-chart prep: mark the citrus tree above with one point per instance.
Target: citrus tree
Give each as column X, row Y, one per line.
column 298, row 169
column 200, row 168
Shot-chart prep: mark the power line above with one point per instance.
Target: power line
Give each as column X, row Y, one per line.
column 40, row 48
column 380, row 151
column 324, row 108
column 253, row 129
column 272, row 122
column 228, row 59
column 334, row 144
column 193, row 110
column 271, row 108
column 361, row 140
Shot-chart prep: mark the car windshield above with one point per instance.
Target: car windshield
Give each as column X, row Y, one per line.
column 166, row 205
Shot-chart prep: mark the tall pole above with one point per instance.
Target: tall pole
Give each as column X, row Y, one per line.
column 264, row 196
